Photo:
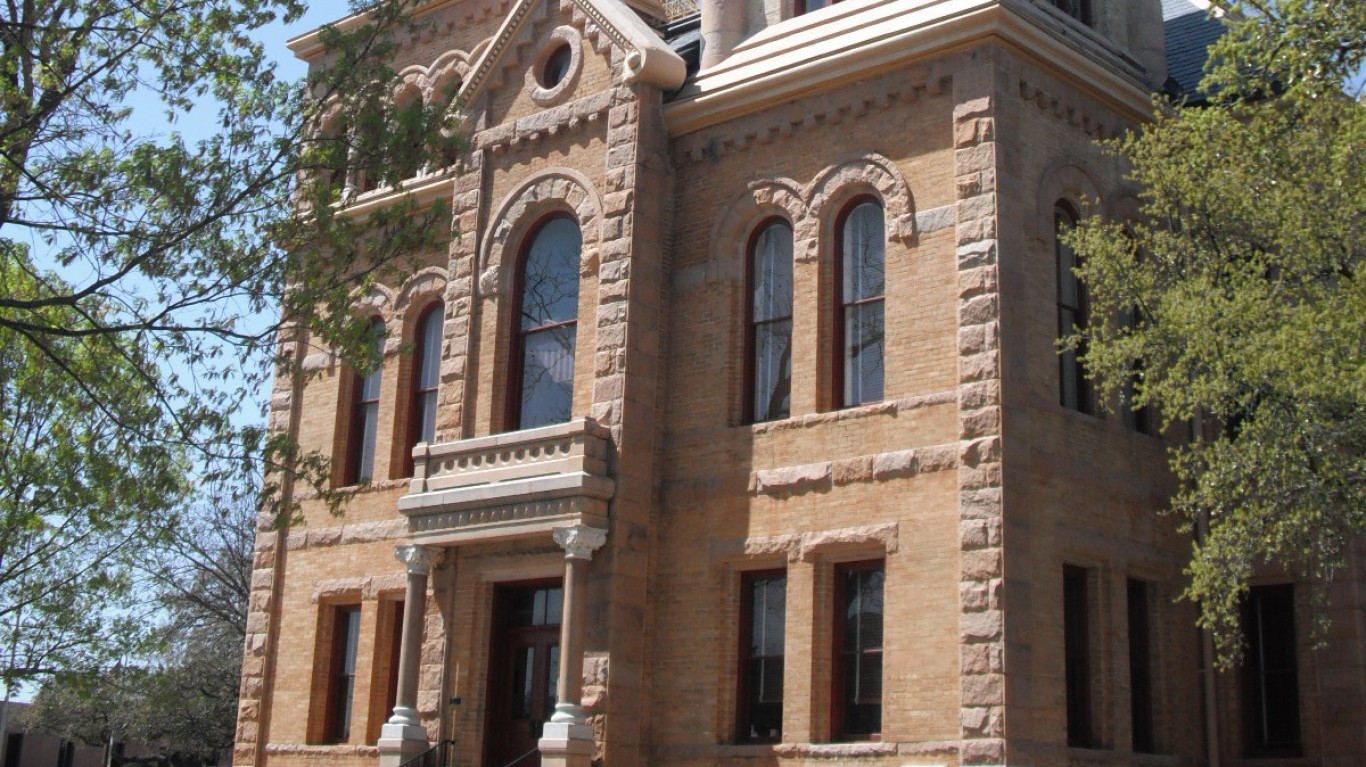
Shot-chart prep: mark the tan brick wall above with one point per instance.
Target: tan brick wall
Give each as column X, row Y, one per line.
column 972, row 484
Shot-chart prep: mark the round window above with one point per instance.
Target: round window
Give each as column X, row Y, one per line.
column 556, row 66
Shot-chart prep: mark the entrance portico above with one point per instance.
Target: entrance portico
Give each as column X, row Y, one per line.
column 490, row 490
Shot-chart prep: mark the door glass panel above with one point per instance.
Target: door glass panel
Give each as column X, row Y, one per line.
column 523, row 675
column 551, row 695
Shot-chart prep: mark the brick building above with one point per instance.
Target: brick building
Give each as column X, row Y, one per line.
column 737, row 390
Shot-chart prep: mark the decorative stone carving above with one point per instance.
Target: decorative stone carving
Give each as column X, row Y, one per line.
column 580, row 541
column 419, row 559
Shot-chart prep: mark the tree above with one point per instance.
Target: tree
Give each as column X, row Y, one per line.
column 1237, row 299
column 77, row 502
column 141, row 275
column 181, row 699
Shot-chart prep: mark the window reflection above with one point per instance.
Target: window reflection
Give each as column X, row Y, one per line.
column 365, row 410
column 771, row 322
column 548, row 324
column 862, row 268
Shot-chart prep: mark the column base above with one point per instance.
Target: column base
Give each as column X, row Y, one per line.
column 400, row 742
column 566, row 745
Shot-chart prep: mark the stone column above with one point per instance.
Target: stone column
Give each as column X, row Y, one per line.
column 403, row 736
column 723, row 27
column 567, row 740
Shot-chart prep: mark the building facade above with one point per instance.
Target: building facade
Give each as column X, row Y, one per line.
column 729, row 427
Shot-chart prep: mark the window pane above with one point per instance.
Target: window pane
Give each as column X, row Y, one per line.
column 547, row 376
column 1076, row 610
column 365, row 412
column 864, row 246
column 860, row 660
column 773, row 273
column 550, row 282
column 369, row 431
column 769, row 608
column 772, row 370
column 427, row 426
column 552, row 695
column 1273, row 678
column 523, row 676
column 430, row 348
column 761, row 695
column 862, row 270
column 864, row 340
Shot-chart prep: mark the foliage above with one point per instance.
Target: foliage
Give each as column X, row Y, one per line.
column 141, row 274
column 1239, row 298
column 80, row 494
column 181, row 250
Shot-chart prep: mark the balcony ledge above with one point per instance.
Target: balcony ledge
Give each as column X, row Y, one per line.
column 509, row 485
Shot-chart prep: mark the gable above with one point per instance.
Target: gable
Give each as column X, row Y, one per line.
column 600, row 24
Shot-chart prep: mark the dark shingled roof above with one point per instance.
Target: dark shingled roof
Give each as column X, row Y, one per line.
column 1189, row 32
column 684, row 36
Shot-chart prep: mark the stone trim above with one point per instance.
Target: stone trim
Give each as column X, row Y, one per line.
column 368, row 588
column 546, row 97
column 837, row 184
column 862, row 751
column 981, row 622
column 804, row 547
column 645, row 56
column 556, row 188
column 528, row 131
column 342, row 535
column 307, row 749
column 819, row 477
column 888, row 407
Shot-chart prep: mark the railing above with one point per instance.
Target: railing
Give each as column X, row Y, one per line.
column 518, row 760
column 507, row 484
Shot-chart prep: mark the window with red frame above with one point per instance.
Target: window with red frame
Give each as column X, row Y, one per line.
column 1074, row 390
column 365, row 412
column 763, row 616
column 342, row 678
column 861, row 326
column 857, row 679
column 425, row 379
column 769, row 338
column 547, row 316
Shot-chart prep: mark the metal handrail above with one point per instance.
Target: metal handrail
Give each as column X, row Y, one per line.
column 523, row 756
column 436, row 756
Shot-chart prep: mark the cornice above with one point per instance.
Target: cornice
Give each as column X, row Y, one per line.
column 309, row 44
column 855, row 40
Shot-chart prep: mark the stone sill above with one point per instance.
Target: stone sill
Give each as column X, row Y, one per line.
column 889, row 407
column 870, row 750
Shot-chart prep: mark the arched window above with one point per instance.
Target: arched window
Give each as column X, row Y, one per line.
column 426, row 376
column 365, row 412
column 860, row 327
column 769, row 339
column 1074, row 390
column 547, row 316
column 409, row 118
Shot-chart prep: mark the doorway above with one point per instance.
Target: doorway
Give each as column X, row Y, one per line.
column 524, row 664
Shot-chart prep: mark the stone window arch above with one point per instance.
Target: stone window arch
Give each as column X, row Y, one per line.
column 745, row 233
column 556, row 194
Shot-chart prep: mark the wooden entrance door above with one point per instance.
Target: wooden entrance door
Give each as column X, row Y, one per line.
column 524, row 665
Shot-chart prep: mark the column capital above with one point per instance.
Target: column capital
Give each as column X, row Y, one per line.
column 579, row 541
column 419, row 559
